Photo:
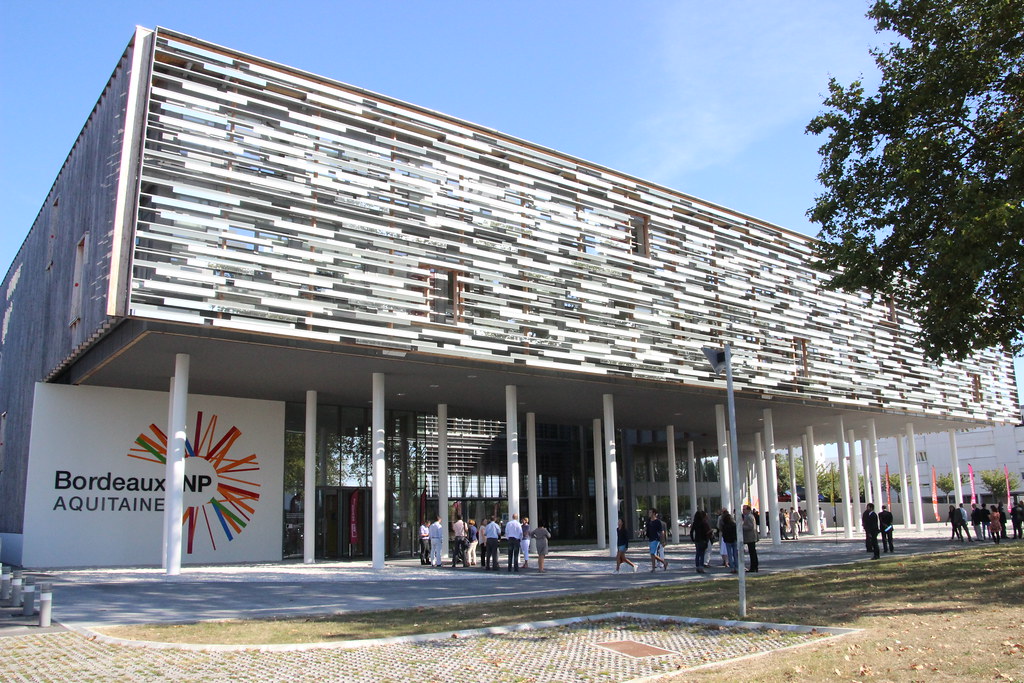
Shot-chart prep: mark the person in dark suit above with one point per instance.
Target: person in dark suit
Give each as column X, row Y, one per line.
column 870, row 521
column 885, row 524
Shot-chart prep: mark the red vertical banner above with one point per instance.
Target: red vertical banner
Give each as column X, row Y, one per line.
column 1006, row 471
column 888, row 491
column 353, row 518
column 935, row 495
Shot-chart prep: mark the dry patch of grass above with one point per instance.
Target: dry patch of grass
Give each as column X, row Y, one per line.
column 946, row 616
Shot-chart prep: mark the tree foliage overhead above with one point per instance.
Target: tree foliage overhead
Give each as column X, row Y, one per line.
column 924, row 179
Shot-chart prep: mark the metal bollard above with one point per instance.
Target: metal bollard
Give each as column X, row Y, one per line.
column 16, row 588
column 45, row 604
column 28, row 599
column 5, row 584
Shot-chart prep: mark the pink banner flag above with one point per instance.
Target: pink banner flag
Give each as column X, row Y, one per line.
column 888, row 491
column 1006, row 471
column 974, row 496
column 935, row 496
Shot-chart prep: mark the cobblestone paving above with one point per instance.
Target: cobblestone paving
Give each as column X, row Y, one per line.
column 561, row 653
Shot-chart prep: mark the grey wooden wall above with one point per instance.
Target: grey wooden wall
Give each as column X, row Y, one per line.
column 38, row 328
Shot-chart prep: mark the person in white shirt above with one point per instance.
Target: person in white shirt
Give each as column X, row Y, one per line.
column 514, row 536
column 436, row 540
column 424, row 542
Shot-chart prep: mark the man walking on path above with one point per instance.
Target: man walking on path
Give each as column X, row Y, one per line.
column 963, row 522
column 885, row 524
column 655, row 538
column 870, row 521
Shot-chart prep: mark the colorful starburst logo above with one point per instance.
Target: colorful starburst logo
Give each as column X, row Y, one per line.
column 209, row 465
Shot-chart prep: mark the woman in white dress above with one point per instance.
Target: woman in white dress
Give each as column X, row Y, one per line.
column 525, row 544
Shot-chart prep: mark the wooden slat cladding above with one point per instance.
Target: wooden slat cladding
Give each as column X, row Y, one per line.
column 279, row 202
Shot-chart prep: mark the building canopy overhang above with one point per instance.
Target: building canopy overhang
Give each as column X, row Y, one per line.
column 140, row 354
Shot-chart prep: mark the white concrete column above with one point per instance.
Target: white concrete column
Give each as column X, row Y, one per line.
column 724, row 470
column 958, row 489
column 531, row 469
column 512, row 440
column 747, row 480
column 762, row 488
column 602, row 527
column 904, row 486
column 812, row 484
column 854, row 481
column 865, row 460
column 673, row 484
column 793, row 498
column 772, row 481
column 651, row 483
column 378, row 482
column 915, row 477
column 844, row 477
column 174, row 492
column 309, row 483
column 691, row 468
column 876, row 470
column 164, row 554
column 612, row 475
column 443, row 503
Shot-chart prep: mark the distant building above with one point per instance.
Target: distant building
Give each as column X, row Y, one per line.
column 372, row 312
column 993, row 448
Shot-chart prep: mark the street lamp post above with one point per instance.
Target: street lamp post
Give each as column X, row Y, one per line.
column 722, row 358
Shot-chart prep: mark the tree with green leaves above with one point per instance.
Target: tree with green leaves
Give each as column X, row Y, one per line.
column 782, row 469
column 828, row 483
column 946, row 484
column 995, row 482
column 924, row 178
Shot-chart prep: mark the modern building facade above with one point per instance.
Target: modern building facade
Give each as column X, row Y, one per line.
column 322, row 309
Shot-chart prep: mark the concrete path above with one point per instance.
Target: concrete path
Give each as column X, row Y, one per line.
column 93, row 597
column 86, row 598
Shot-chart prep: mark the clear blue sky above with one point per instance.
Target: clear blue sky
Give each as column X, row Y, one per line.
column 708, row 98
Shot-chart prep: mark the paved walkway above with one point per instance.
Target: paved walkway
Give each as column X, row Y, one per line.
column 87, row 598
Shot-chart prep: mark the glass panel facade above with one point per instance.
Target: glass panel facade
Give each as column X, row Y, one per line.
column 477, row 476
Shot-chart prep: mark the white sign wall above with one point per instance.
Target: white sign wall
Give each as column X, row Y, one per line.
column 95, row 492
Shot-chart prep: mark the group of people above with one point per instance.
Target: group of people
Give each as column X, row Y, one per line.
column 877, row 524
column 988, row 523
column 520, row 537
column 794, row 522
column 701, row 533
column 468, row 540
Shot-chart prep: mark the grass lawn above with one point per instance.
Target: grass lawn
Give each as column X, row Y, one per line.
column 947, row 616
